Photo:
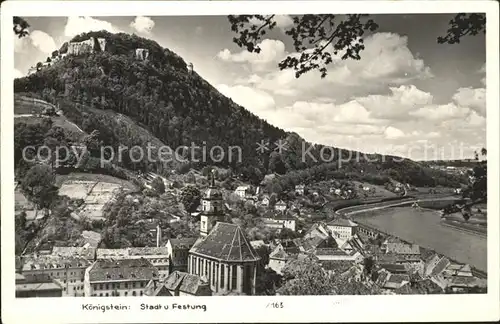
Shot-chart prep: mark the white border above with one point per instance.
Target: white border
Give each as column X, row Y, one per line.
column 250, row 309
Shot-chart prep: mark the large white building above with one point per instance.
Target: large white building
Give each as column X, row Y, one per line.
column 344, row 228
column 124, row 277
column 67, row 272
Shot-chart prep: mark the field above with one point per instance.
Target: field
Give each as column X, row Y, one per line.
column 95, row 190
column 380, row 191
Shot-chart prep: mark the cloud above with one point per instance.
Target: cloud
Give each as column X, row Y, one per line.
column 272, row 51
column 474, row 99
column 404, row 121
column 143, row 25
column 78, row 25
column 282, row 21
column 393, row 133
column 441, row 112
column 386, row 61
column 43, row 41
column 398, row 104
column 36, row 39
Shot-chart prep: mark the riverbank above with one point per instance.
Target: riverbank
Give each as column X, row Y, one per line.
column 423, row 227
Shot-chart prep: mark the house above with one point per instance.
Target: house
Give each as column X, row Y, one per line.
column 157, row 256
column 355, row 243
column 458, row 191
column 404, row 251
column 345, row 228
column 280, row 206
column 366, row 188
column 394, row 268
column 280, row 221
column 435, row 265
column 396, row 281
column 67, row 272
column 179, row 284
column 43, row 286
column 88, row 253
column 242, row 191
column 123, row 277
column 178, row 251
column 278, row 259
column 300, row 189
column 265, row 201
column 458, row 270
column 336, row 254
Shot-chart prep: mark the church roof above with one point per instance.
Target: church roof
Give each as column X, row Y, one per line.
column 226, row 242
column 212, row 193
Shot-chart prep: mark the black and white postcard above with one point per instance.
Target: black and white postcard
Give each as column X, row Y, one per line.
column 249, row 161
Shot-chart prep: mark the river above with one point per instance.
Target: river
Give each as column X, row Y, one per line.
column 423, row 227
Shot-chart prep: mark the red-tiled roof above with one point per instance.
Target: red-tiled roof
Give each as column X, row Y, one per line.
column 226, row 242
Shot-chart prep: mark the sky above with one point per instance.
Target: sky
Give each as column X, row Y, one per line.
column 407, row 95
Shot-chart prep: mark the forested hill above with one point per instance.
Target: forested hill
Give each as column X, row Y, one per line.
column 177, row 106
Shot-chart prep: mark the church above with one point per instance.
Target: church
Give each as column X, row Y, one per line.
column 222, row 254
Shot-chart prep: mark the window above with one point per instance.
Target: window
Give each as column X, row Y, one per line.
column 126, row 293
column 134, row 293
column 133, row 284
column 100, row 295
column 107, row 295
column 126, row 285
column 117, row 293
column 233, row 277
column 107, row 286
column 142, row 284
column 222, row 277
column 141, row 292
column 100, row 286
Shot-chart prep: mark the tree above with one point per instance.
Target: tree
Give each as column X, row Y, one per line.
column 39, row 185
column 305, row 277
column 368, row 264
column 317, row 38
column 158, row 185
column 20, row 27
column 190, row 198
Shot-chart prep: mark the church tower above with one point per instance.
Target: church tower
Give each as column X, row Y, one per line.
column 212, row 207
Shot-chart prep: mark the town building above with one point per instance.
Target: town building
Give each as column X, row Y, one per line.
column 41, row 287
column 222, row 255
column 158, row 256
column 344, row 228
column 280, row 221
column 179, row 284
column 278, row 259
column 124, row 277
column 178, row 251
column 66, row 271
column 404, row 251
column 265, row 201
column 242, row 191
column 335, row 254
column 280, row 206
column 300, row 189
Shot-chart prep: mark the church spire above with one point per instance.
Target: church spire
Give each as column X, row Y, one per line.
column 212, row 178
